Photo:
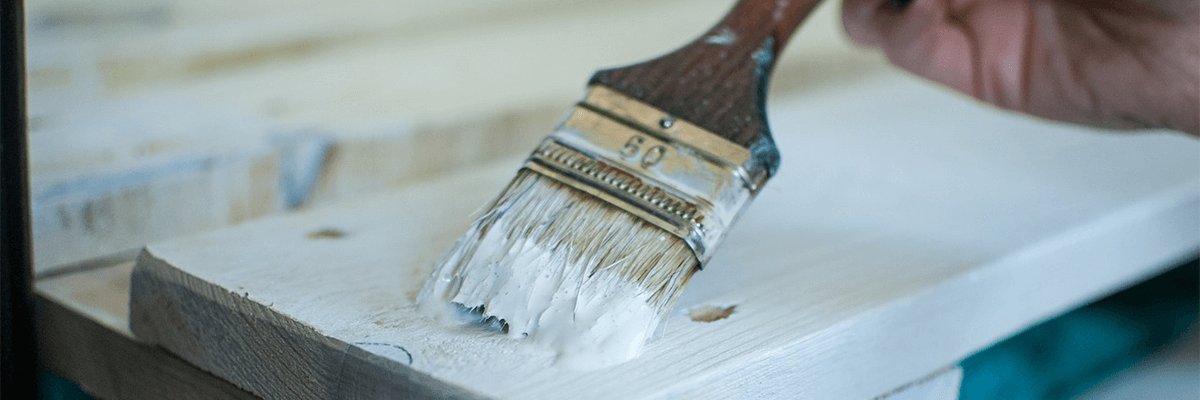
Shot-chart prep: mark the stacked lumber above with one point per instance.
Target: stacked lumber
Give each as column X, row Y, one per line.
column 155, row 118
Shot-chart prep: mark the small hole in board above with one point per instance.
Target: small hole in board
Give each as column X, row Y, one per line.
column 710, row 313
column 327, row 233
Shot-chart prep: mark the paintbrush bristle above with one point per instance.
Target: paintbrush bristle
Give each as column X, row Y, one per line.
column 567, row 269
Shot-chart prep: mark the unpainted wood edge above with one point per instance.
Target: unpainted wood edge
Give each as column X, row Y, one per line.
column 110, row 365
column 261, row 351
column 949, row 373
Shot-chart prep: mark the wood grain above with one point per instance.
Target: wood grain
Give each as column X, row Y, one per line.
column 275, row 357
column 874, row 261
column 83, row 336
column 83, row 325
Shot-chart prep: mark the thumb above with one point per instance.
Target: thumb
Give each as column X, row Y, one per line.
column 934, row 39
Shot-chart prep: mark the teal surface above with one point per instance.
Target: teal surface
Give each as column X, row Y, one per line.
column 55, row 387
column 1065, row 356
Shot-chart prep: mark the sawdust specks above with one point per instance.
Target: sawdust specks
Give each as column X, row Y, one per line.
column 710, row 313
column 327, row 233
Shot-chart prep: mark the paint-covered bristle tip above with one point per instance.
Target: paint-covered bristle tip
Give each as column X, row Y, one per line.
column 566, row 269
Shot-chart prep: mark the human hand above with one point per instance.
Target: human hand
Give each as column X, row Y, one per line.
column 1123, row 64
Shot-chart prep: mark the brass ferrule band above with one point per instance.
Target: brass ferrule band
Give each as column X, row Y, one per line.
column 670, row 173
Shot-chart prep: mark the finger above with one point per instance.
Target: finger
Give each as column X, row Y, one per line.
column 919, row 38
column 865, row 19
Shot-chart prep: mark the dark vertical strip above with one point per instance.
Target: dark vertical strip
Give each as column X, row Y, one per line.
column 17, row 347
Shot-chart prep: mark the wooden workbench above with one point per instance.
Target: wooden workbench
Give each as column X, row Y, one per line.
column 907, row 229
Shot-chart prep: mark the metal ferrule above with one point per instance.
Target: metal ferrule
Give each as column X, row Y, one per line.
column 671, row 173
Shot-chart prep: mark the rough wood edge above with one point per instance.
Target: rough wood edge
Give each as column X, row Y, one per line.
column 943, row 384
column 181, row 312
column 111, row 365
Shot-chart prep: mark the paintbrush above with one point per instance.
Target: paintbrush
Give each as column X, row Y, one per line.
column 590, row 245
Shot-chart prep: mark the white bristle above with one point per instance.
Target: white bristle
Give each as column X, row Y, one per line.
column 566, row 269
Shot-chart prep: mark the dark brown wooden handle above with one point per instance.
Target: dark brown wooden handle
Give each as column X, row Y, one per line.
column 719, row 81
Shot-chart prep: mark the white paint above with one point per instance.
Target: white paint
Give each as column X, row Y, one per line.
column 565, row 270
column 907, row 229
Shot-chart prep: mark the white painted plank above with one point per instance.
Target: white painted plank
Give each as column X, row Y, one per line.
column 906, row 229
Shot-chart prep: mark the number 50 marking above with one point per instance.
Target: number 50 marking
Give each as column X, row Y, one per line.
column 650, row 158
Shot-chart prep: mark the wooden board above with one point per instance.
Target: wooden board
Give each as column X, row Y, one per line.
column 906, row 229
column 83, row 335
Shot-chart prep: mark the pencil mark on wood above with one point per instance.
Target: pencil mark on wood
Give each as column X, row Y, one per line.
column 388, row 350
column 950, row 375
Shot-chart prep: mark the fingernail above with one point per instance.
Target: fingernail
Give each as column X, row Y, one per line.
column 899, row 5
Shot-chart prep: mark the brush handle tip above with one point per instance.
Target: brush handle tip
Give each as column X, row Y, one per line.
column 719, row 81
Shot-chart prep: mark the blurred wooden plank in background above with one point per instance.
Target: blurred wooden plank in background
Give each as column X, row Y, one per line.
column 218, row 112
